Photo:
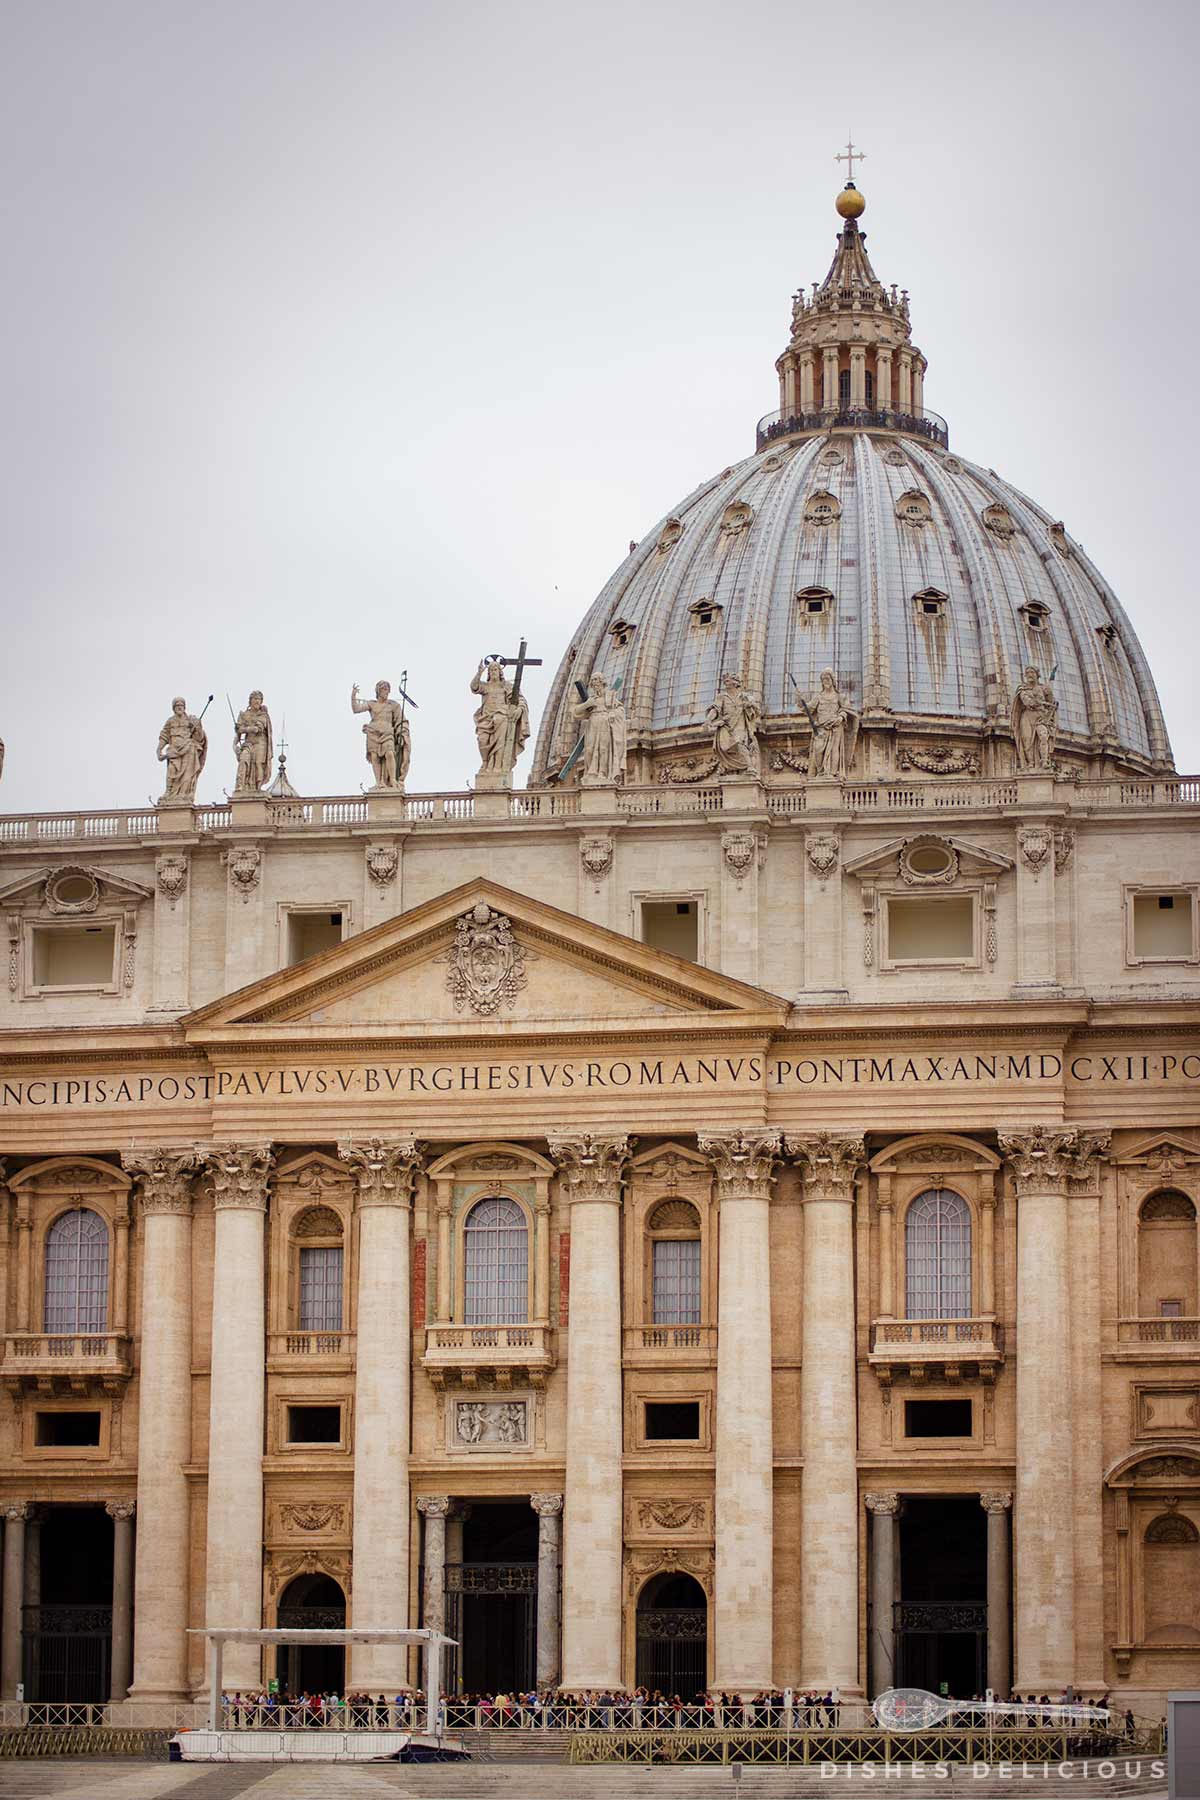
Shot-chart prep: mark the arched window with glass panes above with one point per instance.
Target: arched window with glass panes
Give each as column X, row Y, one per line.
column 675, row 1282
column 495, row 1264
column 938, row 1256
column 76, row 1273
column 321, row 1271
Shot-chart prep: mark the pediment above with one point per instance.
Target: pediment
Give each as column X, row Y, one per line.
column 482, row 958
column 1162, row 1152
column 72, row 890
column 929, row 859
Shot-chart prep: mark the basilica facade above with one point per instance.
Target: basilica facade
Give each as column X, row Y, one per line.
column 723, row 1214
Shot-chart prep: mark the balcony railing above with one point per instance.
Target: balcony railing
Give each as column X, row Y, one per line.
column 45, row 1357
column 929, row 425
column 462, row 1354
column 944, row 1343
column 1159, row 1331
column 332, row 1349
column 671, row 1341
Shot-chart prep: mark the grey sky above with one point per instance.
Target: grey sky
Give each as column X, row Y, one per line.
column 347, row 336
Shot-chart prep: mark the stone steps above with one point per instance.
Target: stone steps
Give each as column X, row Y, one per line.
column 600, row 1781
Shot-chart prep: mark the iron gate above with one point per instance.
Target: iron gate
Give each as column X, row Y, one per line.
column 67, row 1653
column 491, row 1612
column 672, row 1650
column 922, row 1626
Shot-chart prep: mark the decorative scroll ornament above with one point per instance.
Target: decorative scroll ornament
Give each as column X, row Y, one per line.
column 589, row 1167
column 928, row 861
column 171, row 873
column 384, row 1168
column 828, row 1162
column 308, row 1562
column 382, row 862
column 245, row 869
column 487, row 964
column 1036, row 844
column 165, row 1178
column 823, row 849
column 741, row 849
column 72, row 891
column 744, row 1161
column 1064, row 848
column 239, row 1175
column 596, row 855
column 939, row 759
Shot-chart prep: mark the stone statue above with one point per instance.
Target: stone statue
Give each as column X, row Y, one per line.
column 253, row 745
column 501, row 719
column 389, row 740
column 835, row 729
column 602, row 716
column 733, row 719
column 183, row 746
column 1034, row 721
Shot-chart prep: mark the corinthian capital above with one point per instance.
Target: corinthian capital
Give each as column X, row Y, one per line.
column 998, row 1502
column 385, row 1169
column 239, row 1175
column 589, row 1167
column 434, row 1506
column 164, row 1178
column 1052, row 1159
column 744, row 1162
column 888, row 1504
column 827, row 1162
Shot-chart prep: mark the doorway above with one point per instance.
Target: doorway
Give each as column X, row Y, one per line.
column 311, row 1603
column 672, row 1636
column 67, row 1637
column 941, row 1616
column 491, row 1600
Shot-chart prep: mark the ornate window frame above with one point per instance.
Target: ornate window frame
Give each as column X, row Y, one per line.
column 43, row 1192
column 902, row 1173
column 669, row 1171
column 312, row 1182
column 1161, row 1159
column 1130, row 892
column 483, row 1171
column 1141, row 1483
column 671, row 897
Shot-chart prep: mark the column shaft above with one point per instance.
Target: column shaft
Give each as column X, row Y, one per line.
column 435, row 1507
column 15, row 1515
column 121, row 1671
column 548, row 1508
column 883, row 1509
column 592, row 1533
column 999, row 1589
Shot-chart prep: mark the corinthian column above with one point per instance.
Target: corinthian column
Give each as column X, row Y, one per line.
column 590, row 1177
column 434, row 1508
column 160, row 1667
column 235, row 1432
column 1040, row 1160
column 744, row 1164
column 385, row 1170
column 828, row 1412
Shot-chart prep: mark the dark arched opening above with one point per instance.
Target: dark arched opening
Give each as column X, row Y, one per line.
column 672, row 1636
column 311, row 1603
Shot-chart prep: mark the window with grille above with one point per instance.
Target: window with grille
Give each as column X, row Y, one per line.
column 938, row 1256
column 676, row 1285
column 321, row 1287
column 77, row 1273
column 496, row 1264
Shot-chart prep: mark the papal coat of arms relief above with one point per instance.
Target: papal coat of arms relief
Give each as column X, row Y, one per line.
column 486, row 964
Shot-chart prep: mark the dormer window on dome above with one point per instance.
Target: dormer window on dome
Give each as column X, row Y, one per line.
column 620, row 631
column 822, row 508
column 1036, row 614
column 931, row 603
column 736, row 518
column 705, row 612
column 999, row 520
column 914, row 509
column 670, row 534
column 813, row 602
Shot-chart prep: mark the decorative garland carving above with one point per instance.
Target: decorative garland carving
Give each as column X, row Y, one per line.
column 672, row 1515
column 939, row 759
column 784, row 759
column 688, row 768
column 312, row 1515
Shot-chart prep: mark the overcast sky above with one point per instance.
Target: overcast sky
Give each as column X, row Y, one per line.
column 351, row 336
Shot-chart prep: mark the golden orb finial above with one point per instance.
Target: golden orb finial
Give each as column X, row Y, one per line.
column 850, row 203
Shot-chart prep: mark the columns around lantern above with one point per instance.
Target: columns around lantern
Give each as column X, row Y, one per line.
column 590, row 1176
column 385, row 1170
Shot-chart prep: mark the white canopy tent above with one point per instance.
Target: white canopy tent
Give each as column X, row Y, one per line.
column 219, row 1636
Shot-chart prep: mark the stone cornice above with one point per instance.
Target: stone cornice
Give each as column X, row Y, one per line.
column 164, row 1178
column 744, row 1162
column 590, row 1165
column 828, row 1161
column 239, row 1174
column 385, row 1169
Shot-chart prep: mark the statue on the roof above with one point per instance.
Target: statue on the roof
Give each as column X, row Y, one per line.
column 1034, row 721
column 253, row 745
column 733, row 719
column 501, row 718
column 389, row 739
column 183, row 746
column 602, row 716
column 835, row 729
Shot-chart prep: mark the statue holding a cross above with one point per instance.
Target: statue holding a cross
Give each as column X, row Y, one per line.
column 502, row 716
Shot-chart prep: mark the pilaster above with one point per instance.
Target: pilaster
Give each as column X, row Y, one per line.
column 743, row 852
column 245, row 950
column 824, row 912
column 172, row 931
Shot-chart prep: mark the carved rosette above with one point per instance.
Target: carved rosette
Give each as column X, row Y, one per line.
column 546, row 1506
column 590, row 1167
column 239, row 1174
column 385, row 1169
column 1053, row 1159
column 120, row 1509
column 744, row 1162
column 164, row 1178
column 999, row 1502
column 887, row 1504
column 433, row 1506
column 828, row 1163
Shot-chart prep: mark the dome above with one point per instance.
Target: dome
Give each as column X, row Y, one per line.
column 853, row 540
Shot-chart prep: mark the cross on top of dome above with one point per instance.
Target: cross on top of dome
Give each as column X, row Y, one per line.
column 850, row 156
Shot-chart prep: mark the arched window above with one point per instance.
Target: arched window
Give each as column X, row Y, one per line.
column 1166, row 1246
column 77, row 1273
column 1171, row 1579
column 496, row 1264
column 844, row 387
column 319, row 1306
column 937, row 1236
column 675, row 1264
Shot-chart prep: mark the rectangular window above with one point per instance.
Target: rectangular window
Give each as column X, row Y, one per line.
column 308, row 933
column 937, row 1418
column 1162, row 927
column 321, row 1288
column 314, row 1424
column 74, row 956
column 67, row 1430
column 931, row 930
column 676, row 1299
column 672, row 925
column 672, row 1421
column 1170, row 1309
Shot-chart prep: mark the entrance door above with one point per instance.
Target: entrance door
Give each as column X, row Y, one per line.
column 491, row 1601
column 672, row 1636
column 311, row 1603
column 941, row 1617
column 67, row 1637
